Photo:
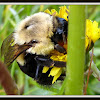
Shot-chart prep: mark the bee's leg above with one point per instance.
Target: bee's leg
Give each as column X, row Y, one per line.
column 49, row 62
column 59, row 64
column 37, row 70
column 60, row 48
column 61, row 78
column 44, row 61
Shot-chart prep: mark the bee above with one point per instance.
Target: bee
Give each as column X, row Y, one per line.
column 32, row 42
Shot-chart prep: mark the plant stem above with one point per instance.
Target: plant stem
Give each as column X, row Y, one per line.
column 76, row 50
column 7, row 82
column 88, row 73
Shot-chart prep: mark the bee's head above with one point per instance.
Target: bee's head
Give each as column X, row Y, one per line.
column 60, row 30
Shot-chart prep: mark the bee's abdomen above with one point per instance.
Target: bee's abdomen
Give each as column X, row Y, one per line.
column 30, row 67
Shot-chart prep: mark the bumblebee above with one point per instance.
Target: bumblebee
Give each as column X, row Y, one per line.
column 32, row 42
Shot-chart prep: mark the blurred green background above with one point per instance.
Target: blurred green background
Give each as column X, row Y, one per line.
column 10, row 15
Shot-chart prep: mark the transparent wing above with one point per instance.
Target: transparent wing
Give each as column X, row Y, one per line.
column 11, row 51
column 6, row 44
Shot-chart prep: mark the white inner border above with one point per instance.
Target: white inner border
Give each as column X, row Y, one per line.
column 50, row 3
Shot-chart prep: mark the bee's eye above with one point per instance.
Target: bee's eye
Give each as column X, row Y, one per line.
column 34, row 41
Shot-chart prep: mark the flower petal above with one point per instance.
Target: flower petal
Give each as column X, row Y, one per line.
column 54, row 12
column 63, row 12
column 54, row 71
column 96, row 33
column 57, row 76
column 47, row 11
column 45, row 69
column 92, row 33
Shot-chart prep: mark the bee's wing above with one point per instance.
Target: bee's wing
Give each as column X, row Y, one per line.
column 6, row 44
column 11, row 51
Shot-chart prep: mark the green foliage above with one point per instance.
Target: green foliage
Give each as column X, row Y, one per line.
column 10, row 16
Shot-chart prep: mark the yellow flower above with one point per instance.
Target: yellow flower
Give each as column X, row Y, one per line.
column 91, row 36
column 96, row 32
column 56, row 72
column 53, row 12
column 63, row 12
column 92, row 33
column 47, row 11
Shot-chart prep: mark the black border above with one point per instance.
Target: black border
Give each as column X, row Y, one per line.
column 67, row 1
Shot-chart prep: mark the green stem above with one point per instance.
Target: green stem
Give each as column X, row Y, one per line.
column 76, row 50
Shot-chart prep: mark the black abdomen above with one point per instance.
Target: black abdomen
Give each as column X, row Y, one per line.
column 30, row 69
